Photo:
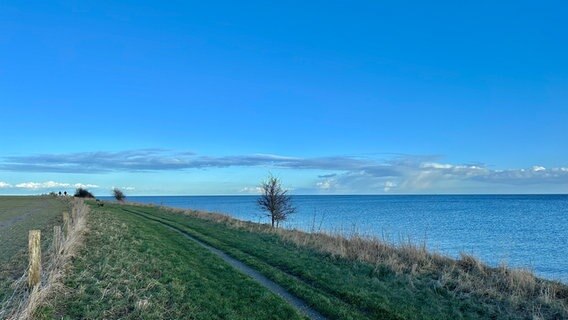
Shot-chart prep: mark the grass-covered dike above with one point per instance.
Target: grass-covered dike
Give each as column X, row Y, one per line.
column 136, row 263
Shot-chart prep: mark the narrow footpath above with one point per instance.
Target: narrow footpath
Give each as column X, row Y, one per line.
column 294, row 301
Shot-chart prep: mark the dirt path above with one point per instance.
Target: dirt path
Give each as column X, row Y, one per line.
column 296, row 302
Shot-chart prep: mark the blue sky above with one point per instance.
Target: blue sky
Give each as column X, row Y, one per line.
column 334, row 97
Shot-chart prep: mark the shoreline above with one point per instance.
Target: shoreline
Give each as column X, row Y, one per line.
column 464, row 275
column 491, row 244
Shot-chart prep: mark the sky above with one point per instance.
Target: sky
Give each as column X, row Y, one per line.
column 332, row 97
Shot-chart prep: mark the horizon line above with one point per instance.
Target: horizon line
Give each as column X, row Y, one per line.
column 315, row 194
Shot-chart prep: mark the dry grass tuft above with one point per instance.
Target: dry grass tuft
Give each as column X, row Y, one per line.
column 142, row 304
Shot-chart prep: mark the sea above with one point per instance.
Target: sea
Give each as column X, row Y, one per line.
column 523, row 231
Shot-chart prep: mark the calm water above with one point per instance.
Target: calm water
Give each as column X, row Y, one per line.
column 521, row 230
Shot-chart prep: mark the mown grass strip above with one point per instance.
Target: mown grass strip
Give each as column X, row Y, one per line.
column 299, row 304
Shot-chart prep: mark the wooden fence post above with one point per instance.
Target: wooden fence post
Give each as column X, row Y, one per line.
column 66, row 223
column 57, row 239
column 34, row 244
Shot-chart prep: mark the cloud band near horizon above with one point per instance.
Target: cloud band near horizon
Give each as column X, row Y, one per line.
column 400, row 173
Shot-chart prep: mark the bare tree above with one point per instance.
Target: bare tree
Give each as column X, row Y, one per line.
column 275, row 201
column 118, row 194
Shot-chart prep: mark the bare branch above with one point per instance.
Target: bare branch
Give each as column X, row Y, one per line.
column 118, row 194
column 275, row 201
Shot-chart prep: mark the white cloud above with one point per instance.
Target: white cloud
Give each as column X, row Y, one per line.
column 326, row 184
column 123, row 188
column 52, row 184
column 276, row 157
column 251, row 190
column 434, row 165
column 5, row 185
column 389, row 185
column 415, row 175
column 42, row 185
column 85, row 186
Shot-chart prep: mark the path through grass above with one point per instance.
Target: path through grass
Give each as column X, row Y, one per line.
column 134, row 266
column 341, row 288
column 130, row 268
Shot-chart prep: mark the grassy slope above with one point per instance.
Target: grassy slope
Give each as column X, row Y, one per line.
column 127, row 237
column 131, row 268
column 17, row 216
column 343, row 288
column 338, row 288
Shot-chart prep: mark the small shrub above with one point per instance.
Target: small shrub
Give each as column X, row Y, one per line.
column 118, row 195
column 83, row 193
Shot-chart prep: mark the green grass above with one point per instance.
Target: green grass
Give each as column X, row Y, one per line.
column 18, row 215
column 134, row 266
column 130, row 268
column 340, row 288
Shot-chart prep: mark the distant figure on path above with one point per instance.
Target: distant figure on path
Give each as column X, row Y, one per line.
column 60, row 193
